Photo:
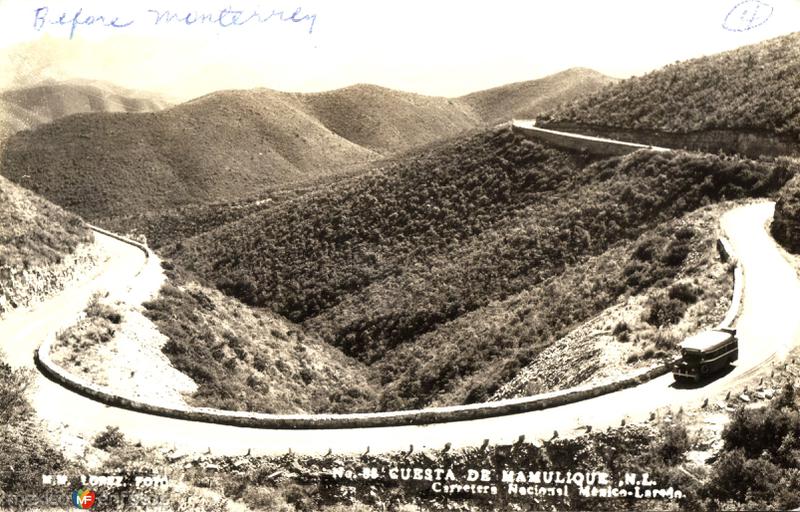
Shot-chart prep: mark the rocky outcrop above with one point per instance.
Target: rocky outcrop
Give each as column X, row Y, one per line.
column 786, row 222
column 20, row 288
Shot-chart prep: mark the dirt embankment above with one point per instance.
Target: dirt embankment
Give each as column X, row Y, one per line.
column 21, row 288
column 752, row 143
column 786, row 223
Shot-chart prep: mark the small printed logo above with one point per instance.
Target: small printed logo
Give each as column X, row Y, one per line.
column 83, row 498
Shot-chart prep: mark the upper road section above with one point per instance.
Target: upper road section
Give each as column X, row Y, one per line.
column 577, row 142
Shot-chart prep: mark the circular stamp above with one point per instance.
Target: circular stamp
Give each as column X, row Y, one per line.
column 747, row 15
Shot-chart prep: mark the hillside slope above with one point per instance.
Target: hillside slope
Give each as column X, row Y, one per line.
column 34, row 232
column 53, row 100
column 379, row 265
column 39, row 247
column 389, row 121
column 385, row 120
column 28, row 107
column 249, row 359
column 14, row 118
column 216, row 148
column 786, row 223
column 753, row 88
column 526, row 100
column 231, row 144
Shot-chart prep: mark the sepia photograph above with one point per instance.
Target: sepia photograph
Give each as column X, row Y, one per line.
column 400, row 256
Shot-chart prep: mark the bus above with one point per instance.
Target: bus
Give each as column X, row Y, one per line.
column 706, row 353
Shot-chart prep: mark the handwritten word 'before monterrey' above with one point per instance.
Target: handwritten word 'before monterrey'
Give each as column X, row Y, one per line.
column 72, row 21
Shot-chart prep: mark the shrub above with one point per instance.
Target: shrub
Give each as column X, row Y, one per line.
column 758, row 430
column 665, row 341
column 673, row 442
column 264, row 498
column 685, row 233
column 620, row 328
column 735, row 476
column 676, row 253
column 14, row 384
column 111, row 437
column 97, row 309
column 786, row 222
column 664, row 311
column 685, row 292
column 27, row 455
column 786, row 398
column 478, row 394
column 647, row 249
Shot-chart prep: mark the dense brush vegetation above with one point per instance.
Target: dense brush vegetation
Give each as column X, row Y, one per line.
column 169, row 226
column 317, row 248
column 386, row 260
column 466, row 360
column 786, row 224
column 172, row 225
column 34, row 232
column 752, row 88
column 246, row 359
column 757, row 468
column 28, row 452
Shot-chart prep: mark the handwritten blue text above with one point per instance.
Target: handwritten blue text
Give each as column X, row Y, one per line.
column 42, row 17
column 227, row 17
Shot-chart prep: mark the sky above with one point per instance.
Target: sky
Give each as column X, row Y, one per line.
column 445, row 48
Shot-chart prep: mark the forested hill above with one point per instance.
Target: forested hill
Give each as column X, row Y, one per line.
column 388, row 259
column 221, row 147
column 753, row 88
column 385, row 120
column 526, row 100
column 27, row 107
column 230, row 145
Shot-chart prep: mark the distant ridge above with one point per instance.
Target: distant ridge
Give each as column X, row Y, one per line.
column 28, row 107
column 222, row 146
column 385, row 120
column 113, row 157
column 523, row 100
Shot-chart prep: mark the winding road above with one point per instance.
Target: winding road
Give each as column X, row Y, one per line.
column 768, row 327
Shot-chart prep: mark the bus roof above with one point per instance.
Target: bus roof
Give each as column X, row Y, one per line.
column 706, row 341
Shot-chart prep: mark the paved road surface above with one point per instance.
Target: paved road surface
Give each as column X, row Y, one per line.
column 768, row 326
column 530, row 124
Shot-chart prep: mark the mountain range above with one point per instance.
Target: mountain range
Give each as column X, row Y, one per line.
column 231, row 144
